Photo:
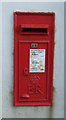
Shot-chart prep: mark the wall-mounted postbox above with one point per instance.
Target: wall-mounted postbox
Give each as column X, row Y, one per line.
column 33, row 58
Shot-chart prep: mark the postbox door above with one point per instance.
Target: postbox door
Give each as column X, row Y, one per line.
column 33, row 72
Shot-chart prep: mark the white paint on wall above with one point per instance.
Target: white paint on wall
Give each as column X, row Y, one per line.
column 57, row 110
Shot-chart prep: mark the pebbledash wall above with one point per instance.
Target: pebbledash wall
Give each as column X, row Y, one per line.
column 57, row 110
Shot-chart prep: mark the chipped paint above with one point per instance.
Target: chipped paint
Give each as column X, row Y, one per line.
column 51, row 108
column 11, row 92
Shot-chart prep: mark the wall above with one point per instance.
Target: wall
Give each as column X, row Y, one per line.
column 0, row 60
column 57, row 110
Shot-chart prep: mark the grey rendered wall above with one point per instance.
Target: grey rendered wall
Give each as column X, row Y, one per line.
column 0, row 60
column 57, row 110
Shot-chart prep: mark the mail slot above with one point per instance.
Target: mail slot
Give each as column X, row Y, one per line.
column 33, row 58
column 34, row 29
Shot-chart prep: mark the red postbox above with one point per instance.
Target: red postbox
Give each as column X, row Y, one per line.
column 33, row 58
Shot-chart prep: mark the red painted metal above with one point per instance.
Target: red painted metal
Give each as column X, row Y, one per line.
column 33, row 88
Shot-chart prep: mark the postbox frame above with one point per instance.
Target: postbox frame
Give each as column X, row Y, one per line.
column 16, row 72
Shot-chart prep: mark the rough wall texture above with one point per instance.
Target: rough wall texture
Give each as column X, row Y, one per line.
column 57, row 110
column 0, row 60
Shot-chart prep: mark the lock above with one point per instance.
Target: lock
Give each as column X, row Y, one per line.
column 25, row 71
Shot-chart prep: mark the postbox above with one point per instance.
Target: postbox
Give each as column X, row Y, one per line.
column 33, row 58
